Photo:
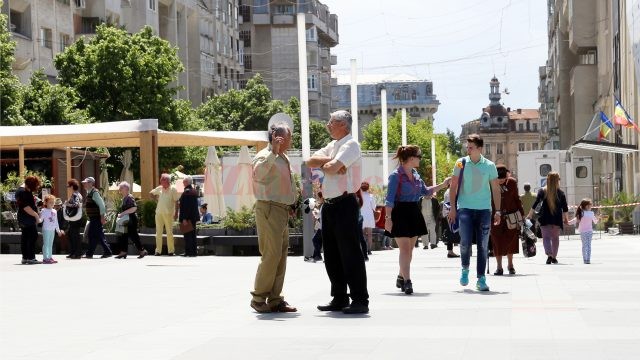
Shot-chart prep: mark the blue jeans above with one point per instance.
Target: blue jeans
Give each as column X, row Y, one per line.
column 96, row 234
column 47, row 243
column 474, row 224
column 586, row 245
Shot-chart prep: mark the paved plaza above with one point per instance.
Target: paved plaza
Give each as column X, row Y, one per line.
column 198, row 308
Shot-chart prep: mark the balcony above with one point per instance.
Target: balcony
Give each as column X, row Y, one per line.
column 86, row 25
column 283, row 19
column 23, row 53
column 334, row 60
column 582, row 24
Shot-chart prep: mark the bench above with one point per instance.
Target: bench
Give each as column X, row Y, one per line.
column 239, row 245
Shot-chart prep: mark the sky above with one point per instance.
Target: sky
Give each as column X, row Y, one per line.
column 457, row 44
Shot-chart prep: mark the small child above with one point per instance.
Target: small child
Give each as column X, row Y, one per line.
column 50, row 226
column 585, row 217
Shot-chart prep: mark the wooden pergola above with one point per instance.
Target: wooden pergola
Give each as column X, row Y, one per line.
column 143, row 134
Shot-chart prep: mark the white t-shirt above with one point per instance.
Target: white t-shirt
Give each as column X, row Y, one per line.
column 347, row 151
column 367, row 209
column 49, row 219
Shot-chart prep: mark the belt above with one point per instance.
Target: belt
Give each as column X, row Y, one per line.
column 337, row 199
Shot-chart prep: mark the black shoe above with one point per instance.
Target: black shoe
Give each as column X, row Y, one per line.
column 157, row 254
column 356, row 308
column 425, row 247
column 512, row 271
column 171, row 254
column 366, row 258
column 369, row 252
column 453, row 256
column 499, row 272
column 549, row 260
column 88, row 256
column 317, row 258
column 106, row 256
column 400, row 282
column 433, row 246
column 334, row 305
column 121, row 256
column 69, row 256
column 143, row 253
column 408, row 287
column 554, row 260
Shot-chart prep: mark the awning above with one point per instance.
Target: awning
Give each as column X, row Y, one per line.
column 605, row 147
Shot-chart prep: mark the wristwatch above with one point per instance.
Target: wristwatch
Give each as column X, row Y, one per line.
column 498, row 212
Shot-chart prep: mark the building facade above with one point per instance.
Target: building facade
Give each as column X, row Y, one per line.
column 270, row 37
column 206, row 33
column 590, row 64
column 505, row 132
column 403, row 92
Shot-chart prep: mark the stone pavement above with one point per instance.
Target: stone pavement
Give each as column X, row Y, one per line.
column 197, row 308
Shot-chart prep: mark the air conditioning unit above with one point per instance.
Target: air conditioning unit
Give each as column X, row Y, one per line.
column 80, row 4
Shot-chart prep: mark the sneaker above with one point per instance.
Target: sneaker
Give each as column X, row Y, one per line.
column 47, row 261
column 25, row 262
column 464, row 278
column 481, row 285
column 260, row 307
column 33, row 262
column 53, row 261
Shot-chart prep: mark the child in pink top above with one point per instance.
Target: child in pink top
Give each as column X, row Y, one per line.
column 585, row 219
column 50, row 226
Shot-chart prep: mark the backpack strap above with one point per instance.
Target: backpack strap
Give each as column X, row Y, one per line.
column 455, row 203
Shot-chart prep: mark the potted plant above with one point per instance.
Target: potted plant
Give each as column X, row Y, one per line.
column 622, row 215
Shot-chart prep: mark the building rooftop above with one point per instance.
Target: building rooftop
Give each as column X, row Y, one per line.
column 522, row 114
column 368, row 79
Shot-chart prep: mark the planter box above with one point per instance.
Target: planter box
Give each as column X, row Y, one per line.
column 250, row 231
column 626, row 227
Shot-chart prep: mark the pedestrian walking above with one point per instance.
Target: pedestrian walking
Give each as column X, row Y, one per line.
column 190, row 214
column 585, row 219
column 368, row 211
column 28, row 218
column 275, row 191
column 403, row 217
column 551, row 205
column 449, row 237
column 317, row 226
column 128, row 210
column 505, row 235
column 73, row 213
column 341, row 162
column 95, row 210
column 430, row 208
column 473, row 186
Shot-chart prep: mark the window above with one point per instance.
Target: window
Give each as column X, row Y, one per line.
column 312, row 34
column 582, row 172
column 545, row 169
column 499, row 149
column 245, row 13
column 487, row 149
column 521, row 127
column 153, row 5
column 283, row 10
column 20, row 21
column 65, row 40
column 312, row 82
column 312, row 58
column 80, row 4
column 535, row 146
column 535, row 126
column 261, row 6
column 499, row 119
column 46, row 38
column 520, row 146
column 247, row 62
column 245, row 35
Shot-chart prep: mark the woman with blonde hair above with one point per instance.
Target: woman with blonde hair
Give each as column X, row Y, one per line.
column 552, row 215
column 403, row 214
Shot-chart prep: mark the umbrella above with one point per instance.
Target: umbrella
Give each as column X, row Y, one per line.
column 136, row 190
column 126, row 174
column 104, row 175
column 243, row 187
column 213, row 184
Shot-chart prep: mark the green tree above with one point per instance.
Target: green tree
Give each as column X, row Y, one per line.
column 318, row 135
column 47, row 104
column 10, row 88
column 122, row 77
column 453, row 144
column 247, row 109
column 419, row 134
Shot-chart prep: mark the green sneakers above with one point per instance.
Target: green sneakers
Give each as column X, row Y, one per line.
column 481, row 285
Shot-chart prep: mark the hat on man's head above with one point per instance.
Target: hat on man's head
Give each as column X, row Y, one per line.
column 90, row 179
column 57, row 202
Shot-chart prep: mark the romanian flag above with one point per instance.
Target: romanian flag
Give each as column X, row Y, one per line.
column 621, row 117
column 605, row 126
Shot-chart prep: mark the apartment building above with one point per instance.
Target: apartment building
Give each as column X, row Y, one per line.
column 590, row 64
column 505, row 132
column 269, row 34
column 403, row 92
column 206, row 33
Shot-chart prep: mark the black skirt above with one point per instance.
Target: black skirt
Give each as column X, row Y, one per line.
column 407, row 220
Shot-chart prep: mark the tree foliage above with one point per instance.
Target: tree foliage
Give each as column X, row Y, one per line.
column 47, row 104
column 318, row 135
column 10, row 89
column 419, row 134
column 122, row 77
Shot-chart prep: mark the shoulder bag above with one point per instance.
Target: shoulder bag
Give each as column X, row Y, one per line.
column 455, row 226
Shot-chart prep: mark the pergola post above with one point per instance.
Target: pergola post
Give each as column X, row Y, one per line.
column 148, row 161
column 68, row 151
column 21, row 160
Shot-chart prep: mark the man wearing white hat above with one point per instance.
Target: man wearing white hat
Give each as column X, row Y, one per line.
column 95, row 210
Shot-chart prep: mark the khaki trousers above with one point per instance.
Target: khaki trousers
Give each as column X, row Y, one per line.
column 164, row 221
column 273, row 241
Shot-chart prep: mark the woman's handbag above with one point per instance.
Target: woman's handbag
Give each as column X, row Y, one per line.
column 72, row 213
column 186, row 226
column 513, row 219
column 528, row 240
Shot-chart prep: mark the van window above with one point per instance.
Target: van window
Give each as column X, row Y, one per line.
column 545, row 169
column 582, row 172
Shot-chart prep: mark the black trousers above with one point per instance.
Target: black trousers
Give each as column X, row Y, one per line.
column 343, row 257
column 28, row 241
column 317, row 243
column 96, row 234
column 132, row 233
column 190, row 241
column 73, row 234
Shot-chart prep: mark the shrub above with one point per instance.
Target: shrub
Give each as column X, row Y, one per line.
column 239, row 220
column 147, row 213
